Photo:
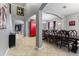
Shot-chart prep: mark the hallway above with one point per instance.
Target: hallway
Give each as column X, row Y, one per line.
column 34, row 24
column 25, row 46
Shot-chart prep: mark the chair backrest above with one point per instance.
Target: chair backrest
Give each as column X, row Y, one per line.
column 73, row 33
column 64, row 34
column 54, row 32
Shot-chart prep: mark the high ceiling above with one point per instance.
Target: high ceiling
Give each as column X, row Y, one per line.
column 62, row 8
column 45, row 17
column 32, row 8
column 20, row 4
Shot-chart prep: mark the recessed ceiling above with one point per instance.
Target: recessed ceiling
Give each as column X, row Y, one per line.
column 62, row 8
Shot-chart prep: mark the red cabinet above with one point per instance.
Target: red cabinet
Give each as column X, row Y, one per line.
column 32, row 28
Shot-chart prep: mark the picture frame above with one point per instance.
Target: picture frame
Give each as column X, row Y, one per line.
column 72, row 23
column 20, row 11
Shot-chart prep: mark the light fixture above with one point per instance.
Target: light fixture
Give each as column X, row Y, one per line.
column 44, row 22
column 59, row 23
column 64, row 7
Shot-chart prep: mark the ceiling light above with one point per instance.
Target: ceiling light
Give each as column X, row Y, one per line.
column 44, row 22
column 59, row 23
column 64, row 6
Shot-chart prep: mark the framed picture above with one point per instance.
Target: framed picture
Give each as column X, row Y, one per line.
column 72, row 23
column 20, row 11
column 3, row 16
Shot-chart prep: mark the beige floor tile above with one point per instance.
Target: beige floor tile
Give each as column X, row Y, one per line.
column 25, row 46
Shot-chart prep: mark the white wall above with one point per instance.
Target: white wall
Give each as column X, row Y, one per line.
column 4, row 34
column 3, row 41
column 16, row 17
column 73, row 17
column 45, row 25
column 59, row 23
column 14, row 12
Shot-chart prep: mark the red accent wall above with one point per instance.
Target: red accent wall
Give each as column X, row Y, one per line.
column 32, row 28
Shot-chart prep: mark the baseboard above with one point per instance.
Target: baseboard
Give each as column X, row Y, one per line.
column 6, row 52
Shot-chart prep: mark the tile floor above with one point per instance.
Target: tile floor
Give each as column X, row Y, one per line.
column 25, row 46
